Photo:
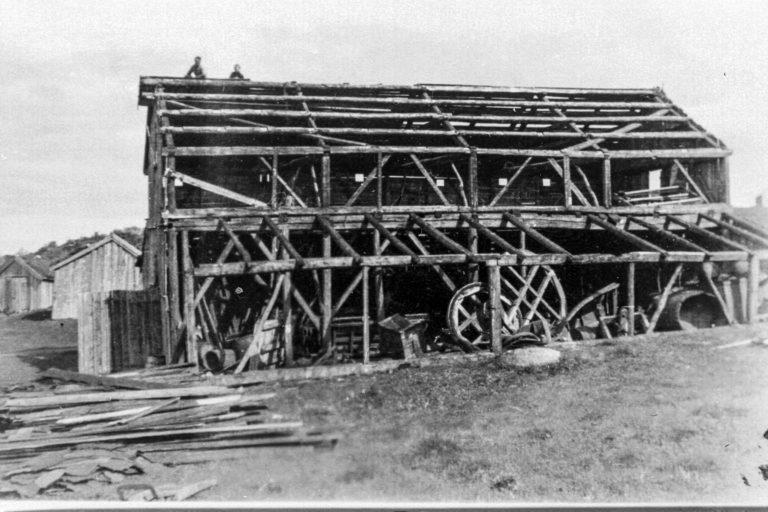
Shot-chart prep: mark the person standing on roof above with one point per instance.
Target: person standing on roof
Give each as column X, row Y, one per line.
column 236, row 74
column 196, row 71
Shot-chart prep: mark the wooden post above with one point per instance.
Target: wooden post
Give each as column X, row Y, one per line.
column 327, row 291
column 753, row 284
column 607, row 193
column 631, row 297
column 663, row 298
column 287, row 309
column 173, row 294
column 494, row 295
column 567, row 181
column 273, row 194
column 379, row 182
column 366, row 315
column 170, row 186
column 378, row 279
column 165, row 302
column 189, row 299
column 473, row 202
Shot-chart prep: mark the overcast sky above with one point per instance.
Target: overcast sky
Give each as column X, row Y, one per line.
column 71, row 135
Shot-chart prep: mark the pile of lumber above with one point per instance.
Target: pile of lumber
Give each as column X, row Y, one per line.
column 54, row 437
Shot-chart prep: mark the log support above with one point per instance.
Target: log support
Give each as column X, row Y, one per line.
column 753, row 289
column 631, row 298
column 494, row 296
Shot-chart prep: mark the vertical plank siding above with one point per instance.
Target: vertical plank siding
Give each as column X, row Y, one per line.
column 109, row 267
column 21, row 291
column 118, row 330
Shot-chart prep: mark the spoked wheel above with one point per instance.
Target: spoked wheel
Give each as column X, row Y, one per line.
column 528, row 297
column 469, row 315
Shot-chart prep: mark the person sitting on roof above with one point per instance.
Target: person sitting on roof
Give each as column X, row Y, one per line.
column 196, row 70
column 236, row 74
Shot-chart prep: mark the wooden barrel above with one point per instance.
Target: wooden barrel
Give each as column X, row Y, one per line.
column 690, row 310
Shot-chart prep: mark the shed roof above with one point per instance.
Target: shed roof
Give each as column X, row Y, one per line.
column 35, row 266
column 241, row 117
column 112, row 237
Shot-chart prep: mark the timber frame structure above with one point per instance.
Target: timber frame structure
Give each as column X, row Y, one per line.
column 308, row 203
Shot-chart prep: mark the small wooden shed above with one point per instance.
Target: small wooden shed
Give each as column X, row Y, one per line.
column 26, row 284
column 109, row 264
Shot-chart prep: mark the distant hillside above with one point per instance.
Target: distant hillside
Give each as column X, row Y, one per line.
column 52, row 253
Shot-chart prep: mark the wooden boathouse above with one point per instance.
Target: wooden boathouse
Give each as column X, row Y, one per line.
column 26, row 284
column 493, row 211
column 109, row 264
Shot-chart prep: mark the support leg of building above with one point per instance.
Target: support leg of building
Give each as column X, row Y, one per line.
column 494, row 296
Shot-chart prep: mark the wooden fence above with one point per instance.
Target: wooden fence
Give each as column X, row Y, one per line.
column 118, row 330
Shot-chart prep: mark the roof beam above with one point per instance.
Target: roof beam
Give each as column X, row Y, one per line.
column 626, row 235
column 694, row 153
column 281, row 99
column 301, row 130
column 520, row 224
column 417, row 116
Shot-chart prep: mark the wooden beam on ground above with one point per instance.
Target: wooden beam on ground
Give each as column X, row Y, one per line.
column 94, row 380
column 626, row 235
column 520, row 224
column 215, row 189
column 327, row 226
column 662, row 303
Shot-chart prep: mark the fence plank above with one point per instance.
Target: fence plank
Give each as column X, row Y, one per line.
column 118, row 330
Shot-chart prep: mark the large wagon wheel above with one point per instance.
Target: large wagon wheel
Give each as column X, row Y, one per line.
column 469, row 315
column 535, row 295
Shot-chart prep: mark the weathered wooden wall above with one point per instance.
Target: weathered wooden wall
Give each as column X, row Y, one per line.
column 117, row 330
column 21, row 292
column 109, row 267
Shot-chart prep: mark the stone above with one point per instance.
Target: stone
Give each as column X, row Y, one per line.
column 532, row 357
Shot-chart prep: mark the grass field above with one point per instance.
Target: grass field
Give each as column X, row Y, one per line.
column 646, row 419
column 663, row 418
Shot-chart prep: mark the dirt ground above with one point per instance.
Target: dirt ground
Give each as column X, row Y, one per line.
column 32, row 343
column 666, row 417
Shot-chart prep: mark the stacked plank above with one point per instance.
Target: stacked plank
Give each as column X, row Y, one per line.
column 54, row 438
